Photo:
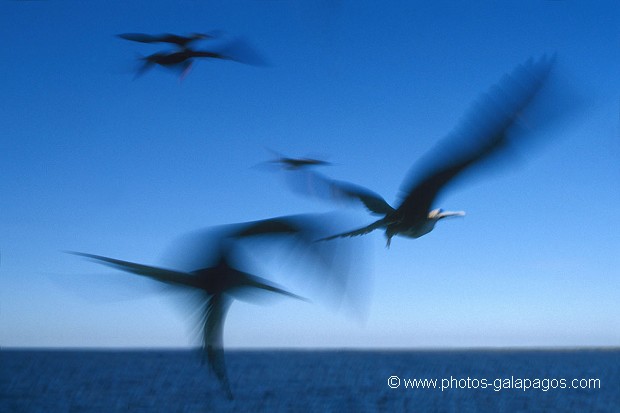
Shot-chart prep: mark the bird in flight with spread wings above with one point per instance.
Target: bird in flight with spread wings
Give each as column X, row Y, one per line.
column 483, row 132
column 290, row 163
column 183, row 57
column 219, row 279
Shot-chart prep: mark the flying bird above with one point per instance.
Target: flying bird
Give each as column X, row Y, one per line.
column 219, row 278
column 483, row 132
column 290, row 163
column 183, row 57
column 219, row 285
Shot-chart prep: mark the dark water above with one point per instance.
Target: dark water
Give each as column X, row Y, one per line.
column 174, row 381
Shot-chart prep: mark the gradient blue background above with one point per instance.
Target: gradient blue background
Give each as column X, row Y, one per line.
column 91, row 160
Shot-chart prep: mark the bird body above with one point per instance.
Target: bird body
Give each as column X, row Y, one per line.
column 396, row 224
column 175, row 58
column 418, row 228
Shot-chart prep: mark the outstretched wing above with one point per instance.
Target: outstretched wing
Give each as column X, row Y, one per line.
column 310, row 183
column 248, row 282
column 139, row 37
column 286, row 225
column 144, row 67
column 285, row 246
column 181, row 41
column 295, row 163
column 156, row 273
column 361, row 231
column 296, row 236
column 205, row 248
column 483, row 131
column 241, row 51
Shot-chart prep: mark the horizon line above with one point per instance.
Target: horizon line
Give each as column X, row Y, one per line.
column 319, row 349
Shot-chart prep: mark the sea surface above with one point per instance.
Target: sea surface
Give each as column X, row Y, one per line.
column 311, row 380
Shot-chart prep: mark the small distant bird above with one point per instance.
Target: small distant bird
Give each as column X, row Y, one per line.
column 219, row 280
column 481, row 134
column 182, row 42
column 237, row 50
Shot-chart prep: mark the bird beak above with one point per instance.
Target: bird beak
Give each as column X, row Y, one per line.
column 448, row 214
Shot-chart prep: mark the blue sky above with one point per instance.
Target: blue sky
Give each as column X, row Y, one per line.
column 94, row 161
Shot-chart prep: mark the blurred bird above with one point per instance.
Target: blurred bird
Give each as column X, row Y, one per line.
column 219, row 280
column 237, row 50
column 182, row 42
column 482, row 133
column 219, row 285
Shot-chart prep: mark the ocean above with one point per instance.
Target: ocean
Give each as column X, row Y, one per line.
column 311, row 380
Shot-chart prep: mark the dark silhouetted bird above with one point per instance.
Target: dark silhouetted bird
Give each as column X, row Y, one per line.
column 218, row 278
column 219, row 285
column 295, row 163
column 482, row 133
column 183, row 57
column 237, row 50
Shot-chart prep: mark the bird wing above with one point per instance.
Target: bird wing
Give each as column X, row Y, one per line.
column 293, row 236
column 314, row 184
column 173, row 39
column 210, row 247
column 186, row 67
column 249, row 281
column 240, row 51
column 301, row 232
column 483, row 131
column 139, row 37
column 214, row 316
column 207, row 247
column 288, row 242
column 361, row 231
column 145, row 66
column 295, row 163
column 156, row 273
column 286, row 225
